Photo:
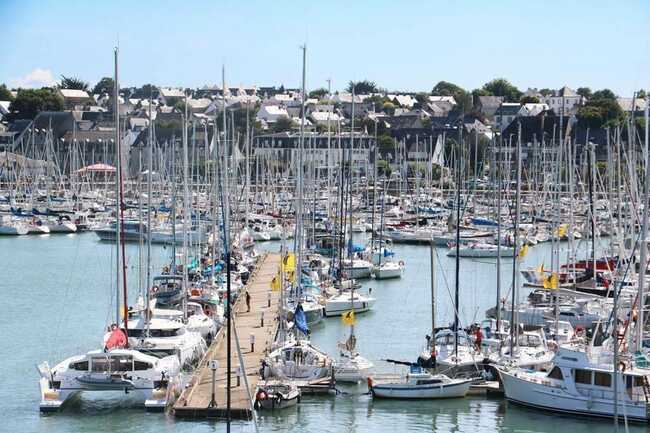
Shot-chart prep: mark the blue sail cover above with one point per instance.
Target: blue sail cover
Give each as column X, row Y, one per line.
column 301, row 320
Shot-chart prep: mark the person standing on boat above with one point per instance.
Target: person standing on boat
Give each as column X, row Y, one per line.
column 248, row 302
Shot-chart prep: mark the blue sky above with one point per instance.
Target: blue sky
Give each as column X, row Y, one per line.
column 399, row 44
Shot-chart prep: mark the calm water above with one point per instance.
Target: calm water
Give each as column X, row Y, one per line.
column 58, row 299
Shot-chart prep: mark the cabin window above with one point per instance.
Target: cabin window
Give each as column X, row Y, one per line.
column 556, row 373
column 79, row 365
column 112, row 363
column 141, row 365
column 582, row 376
column 638, row 381
column 602, row 379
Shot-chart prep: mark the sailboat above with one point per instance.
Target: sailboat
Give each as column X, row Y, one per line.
column 116, row 367
column 351, row 366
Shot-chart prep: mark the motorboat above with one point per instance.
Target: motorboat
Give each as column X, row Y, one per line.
column 419, row 384
column 581, row 382
column 346, row 301
column 297, row 358
column 277, row 396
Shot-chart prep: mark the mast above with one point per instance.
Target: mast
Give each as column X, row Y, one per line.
column 186, row 210
column 515, row 264
column 498, row 183
column 643, row 260
column 116, row 112
column 458, row 182
column 299, row 241
column 149, row 180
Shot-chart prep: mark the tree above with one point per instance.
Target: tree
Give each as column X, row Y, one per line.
column 585, row 92
column 5, row 94
column 72, row 83
column 601, row 110
column 362, row 87
column 604, row 94
column 145, row 92
column 502, row 87
column 105, row 85
column 461, row 96
column 318, row 93
column 388, row 108
column 282, row 124
column 641, row 94
column 422, row 98
column 30, row 102
column 385, row 145
column 529, row 100
column 546, row 92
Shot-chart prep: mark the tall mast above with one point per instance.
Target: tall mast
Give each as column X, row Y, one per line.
column 299, row 241
column 515, row 264
column 458, row 182
column 149, row 180
column 643, row 260
column 186, row 209
column 116, row 113
column 498, row 215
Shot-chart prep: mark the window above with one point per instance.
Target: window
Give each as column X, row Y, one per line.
column 602, row 379
column 582, row 376
column 79, row 365
column 556, row 373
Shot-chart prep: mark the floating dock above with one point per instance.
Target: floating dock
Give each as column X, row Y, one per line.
column 194, row 401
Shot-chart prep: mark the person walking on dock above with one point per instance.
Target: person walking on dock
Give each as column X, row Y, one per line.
column 248, row 302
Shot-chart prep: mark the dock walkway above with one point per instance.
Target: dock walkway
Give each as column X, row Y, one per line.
column 194, row 401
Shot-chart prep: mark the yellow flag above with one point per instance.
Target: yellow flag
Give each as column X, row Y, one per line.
column 551, row 282
column 523, row 251
column 561, row 231
column 275, row 283
column 291, row 276
column 348, row 318
column 289, row 262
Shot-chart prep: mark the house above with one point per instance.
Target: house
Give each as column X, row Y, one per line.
column 75, row 99
column 440, row 106
column 198, row 105
column 488, row 105
column 324, row 118
column 505, row 114
column 532, row 109
column 406, row 101
column 271, row 113
column 628, row 106
column 170, row 96
column 322, row 150
column 564, row 101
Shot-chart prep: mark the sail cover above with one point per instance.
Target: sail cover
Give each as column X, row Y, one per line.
column 301, row 320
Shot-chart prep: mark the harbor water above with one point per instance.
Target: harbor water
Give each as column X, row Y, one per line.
column 58, row 297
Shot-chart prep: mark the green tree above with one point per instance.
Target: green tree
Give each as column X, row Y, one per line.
column 146, row 91
column 422, row 98
column 282, row 124
column 105, row 85
column 546, row 92
column 30, row 102
column 385, row 144
column 601, row 110
column 363, row 87
column 318, row 93
column 388, row 108
column 461, row 96
column 641, row 94
column 502, row 87
column 73, row 83
column 604, row 94
column 585, row 92
column 529, row 100
column 5, row 94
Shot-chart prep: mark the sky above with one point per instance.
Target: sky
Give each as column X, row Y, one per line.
column 400, row 44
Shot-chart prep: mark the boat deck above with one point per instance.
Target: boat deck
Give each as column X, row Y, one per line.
column 194, row 402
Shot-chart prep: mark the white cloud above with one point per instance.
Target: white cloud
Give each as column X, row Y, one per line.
column 36, row 78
